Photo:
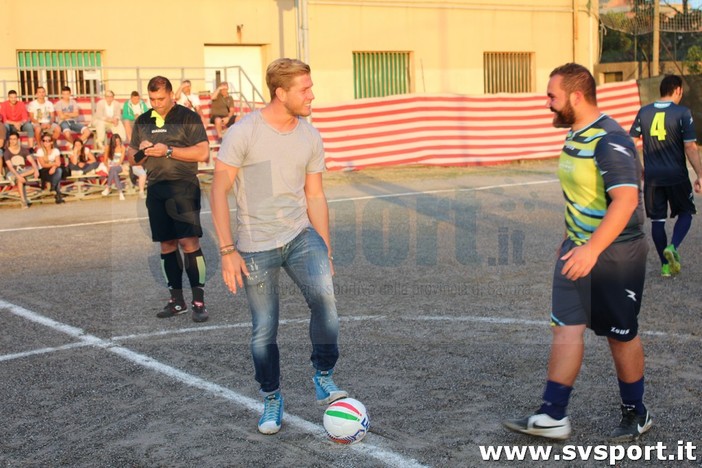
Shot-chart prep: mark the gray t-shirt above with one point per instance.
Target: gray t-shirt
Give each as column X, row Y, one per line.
column 70, row 106
column 270, row 184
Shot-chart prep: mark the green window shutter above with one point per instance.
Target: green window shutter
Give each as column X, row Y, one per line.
column 378, row 74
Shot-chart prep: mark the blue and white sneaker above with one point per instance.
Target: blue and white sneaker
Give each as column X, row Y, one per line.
column 541, row 425
column 631, row 426
column 325, row 388
column 272, row 414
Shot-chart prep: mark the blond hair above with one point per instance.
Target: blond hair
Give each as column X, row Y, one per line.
column 282, row 72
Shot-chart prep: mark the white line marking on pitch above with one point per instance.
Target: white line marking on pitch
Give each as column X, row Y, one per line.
column 338, row 200
column 138, row 336
column 356, row 318
column 383, row 455
column 433, row 192
column 34, row 352
column 177, row 331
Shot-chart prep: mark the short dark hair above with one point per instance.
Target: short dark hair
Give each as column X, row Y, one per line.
column 577, row 78
column 135, row 93
column 159, row 82
column 66, row 88
column 669, row 84
column 12, row 91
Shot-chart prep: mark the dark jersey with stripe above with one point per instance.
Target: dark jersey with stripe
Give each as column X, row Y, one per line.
column 665, row 128
column 594, row 160
column 180, row 129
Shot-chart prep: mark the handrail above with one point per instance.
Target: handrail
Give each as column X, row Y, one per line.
column 91, row 82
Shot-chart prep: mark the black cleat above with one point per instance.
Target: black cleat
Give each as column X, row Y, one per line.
column 199, row 312
column 172, row 309
column 631, row 426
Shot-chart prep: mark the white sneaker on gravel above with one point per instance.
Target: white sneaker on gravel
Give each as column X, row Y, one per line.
column 541, row 425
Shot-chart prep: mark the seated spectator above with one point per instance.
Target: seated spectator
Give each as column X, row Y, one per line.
column 184, row 97
column 69, row 118
column 20, row 165
column 131, row 110
column 42, row 114
column 3, row 132
column 14, row 115
column 139, row 177
column 49, row 159
column 222, row 110
column 108, row 117
column 113, row 159
column 81, row 160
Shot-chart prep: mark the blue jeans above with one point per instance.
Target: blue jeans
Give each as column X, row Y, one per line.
column 306, row 261
column 26, row 127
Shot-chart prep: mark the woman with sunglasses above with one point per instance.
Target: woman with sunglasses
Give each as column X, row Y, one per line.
column 49, row 159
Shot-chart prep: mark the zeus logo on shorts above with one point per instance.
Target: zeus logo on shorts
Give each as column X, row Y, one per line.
column 619, row 331
column 631, row 294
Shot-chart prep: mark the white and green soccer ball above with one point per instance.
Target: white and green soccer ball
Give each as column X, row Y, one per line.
column 346, row 421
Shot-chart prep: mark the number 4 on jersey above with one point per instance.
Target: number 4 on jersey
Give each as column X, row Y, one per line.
column 658, row 126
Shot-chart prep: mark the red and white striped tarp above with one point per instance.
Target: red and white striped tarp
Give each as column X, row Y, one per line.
column 453, row 130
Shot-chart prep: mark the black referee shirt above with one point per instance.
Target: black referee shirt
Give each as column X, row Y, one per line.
column 182, row 128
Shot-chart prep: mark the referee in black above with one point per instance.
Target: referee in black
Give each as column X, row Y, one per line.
column 168, row 141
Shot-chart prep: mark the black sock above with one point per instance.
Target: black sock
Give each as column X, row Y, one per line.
column 196, row 270
column 198, row 295
column 172, row 266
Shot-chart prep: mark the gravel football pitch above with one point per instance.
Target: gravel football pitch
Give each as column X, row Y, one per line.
column 443, row 281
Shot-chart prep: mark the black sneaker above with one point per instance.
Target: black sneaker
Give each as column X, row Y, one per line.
column 631, row 426
column 199, row 312
column 172, row 309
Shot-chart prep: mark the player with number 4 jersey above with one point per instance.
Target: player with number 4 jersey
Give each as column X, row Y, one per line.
column 668, row 134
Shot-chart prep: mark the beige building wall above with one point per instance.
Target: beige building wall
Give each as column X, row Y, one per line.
column 446, row 39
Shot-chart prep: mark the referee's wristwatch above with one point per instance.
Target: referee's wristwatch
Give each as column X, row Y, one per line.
column 169, row 152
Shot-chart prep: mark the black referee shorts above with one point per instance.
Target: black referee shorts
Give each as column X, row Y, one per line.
column 174, row 210
column 679, row 197
column 608, row 300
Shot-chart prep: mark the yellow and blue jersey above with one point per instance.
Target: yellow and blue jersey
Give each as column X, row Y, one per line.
column 594, row 160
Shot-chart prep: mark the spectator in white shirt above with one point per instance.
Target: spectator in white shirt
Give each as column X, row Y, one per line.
column 185, row 97
column 108, row 117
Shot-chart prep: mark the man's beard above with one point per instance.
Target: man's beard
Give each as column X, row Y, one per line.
column 565, row 118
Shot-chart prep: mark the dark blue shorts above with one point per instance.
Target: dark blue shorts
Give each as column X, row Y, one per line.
column 608, row 300
column 679, row 197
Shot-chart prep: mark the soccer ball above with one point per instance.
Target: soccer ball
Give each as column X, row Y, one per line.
column 346, row 421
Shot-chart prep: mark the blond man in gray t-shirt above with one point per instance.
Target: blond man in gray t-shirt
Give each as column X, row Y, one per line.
column 274, row 159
